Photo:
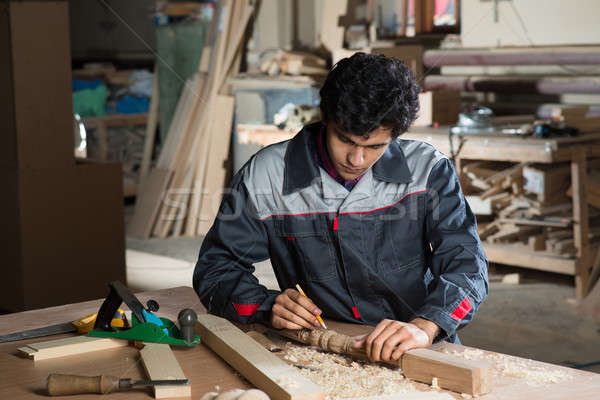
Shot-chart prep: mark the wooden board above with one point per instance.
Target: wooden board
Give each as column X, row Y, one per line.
column 214, row 181
column 160, row 363
column 462, row 376
column 69, row 346
column 148, row 203
column 262, row 368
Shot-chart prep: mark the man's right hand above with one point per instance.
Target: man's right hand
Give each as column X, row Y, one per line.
column 294, row 311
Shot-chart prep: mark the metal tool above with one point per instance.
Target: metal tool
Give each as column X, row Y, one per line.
column 145, row 326
column 82, row 325
column 61, row 384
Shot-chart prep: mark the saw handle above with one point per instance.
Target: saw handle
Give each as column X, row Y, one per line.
column 60, row 384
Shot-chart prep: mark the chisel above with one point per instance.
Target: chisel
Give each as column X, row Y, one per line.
column 61, row 385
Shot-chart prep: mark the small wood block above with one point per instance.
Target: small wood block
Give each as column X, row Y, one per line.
column 262, row 368
column 453, row 373
column 160, row 363
column 69, row 346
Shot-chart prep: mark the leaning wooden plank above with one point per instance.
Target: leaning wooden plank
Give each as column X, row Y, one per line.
column 150, row 130
column 160, row 364
column 69, row 346
column 262, row 368
column 147, row 205
column 214, row 180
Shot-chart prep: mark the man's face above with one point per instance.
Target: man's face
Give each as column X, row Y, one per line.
column 353, row 155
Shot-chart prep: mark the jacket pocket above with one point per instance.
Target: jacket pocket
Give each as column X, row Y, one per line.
column 310, row 247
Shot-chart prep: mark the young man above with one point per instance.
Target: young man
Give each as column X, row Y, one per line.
column 374, row 229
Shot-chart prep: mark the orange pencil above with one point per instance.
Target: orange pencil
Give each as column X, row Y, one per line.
column 318, row 316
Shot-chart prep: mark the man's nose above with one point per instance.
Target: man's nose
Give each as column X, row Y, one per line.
column 356, row 157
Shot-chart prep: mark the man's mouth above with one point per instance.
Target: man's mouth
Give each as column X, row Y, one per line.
column 351, row 170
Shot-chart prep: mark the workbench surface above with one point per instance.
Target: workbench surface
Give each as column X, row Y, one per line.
column 22, row 378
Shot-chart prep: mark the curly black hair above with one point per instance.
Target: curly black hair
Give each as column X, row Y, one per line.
column 366, row 91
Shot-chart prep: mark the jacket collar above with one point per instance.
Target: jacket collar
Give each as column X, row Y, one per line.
column 301, row 170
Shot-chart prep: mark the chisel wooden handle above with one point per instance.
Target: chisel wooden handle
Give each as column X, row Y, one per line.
column 60, row 385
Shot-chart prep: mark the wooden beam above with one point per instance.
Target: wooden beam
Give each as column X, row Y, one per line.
column 160, row 363
column 452, row 373
column 262, row 368
column 580, row 219
column 69, row 346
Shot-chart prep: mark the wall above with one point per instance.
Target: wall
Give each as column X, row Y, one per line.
column 529, row 23
column 116, row 30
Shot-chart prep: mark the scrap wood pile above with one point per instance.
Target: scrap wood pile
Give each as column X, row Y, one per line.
column 180, row 196
column 529, row 204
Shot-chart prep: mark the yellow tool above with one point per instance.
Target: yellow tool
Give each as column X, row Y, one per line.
column 82, row 326
column 318, row 316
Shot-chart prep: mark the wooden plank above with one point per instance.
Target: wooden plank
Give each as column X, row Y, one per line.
column 511, row 254
column 147, row 205
column 580, row 219
column 150, row 130
column 214, row 181
column 69, row 346
column 160, row 363
column 453, row 373
column 262, row 368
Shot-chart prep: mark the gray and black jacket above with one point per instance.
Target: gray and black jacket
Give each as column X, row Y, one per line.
column 402, row 244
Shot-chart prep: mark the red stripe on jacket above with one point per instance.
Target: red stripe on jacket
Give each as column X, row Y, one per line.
column 462, row 310
column 246, row 310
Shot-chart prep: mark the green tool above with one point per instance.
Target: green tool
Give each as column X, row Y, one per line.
column 145, row 326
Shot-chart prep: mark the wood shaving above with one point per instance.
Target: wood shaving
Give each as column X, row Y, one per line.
column 434, row 383
column 505, row 365
column 466, row 396
column 342, row 377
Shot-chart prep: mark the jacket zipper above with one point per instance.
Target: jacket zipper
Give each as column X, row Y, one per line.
column 338, row 250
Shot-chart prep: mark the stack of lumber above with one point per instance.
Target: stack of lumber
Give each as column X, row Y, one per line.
column 528, row 204
column 577, row 117
column 181, row 195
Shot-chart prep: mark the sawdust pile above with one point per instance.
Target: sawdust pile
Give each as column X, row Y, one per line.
column 504, row 365
column 341, row 377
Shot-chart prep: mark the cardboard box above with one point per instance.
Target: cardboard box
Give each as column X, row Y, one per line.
column 35, row 86
column 441, row 107
column 62, row 236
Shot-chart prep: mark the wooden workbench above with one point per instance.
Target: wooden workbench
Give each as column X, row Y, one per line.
column 24, row 379
column 498, row 147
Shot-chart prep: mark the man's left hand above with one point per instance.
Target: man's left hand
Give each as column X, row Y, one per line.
column 390, row 338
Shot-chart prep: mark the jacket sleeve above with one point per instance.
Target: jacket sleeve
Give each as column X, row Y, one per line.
column 457, row 260
column 223, row 277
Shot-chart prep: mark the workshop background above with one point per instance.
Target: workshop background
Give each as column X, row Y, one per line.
column 123, row 121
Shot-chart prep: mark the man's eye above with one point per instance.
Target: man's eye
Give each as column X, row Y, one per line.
column 376, row 147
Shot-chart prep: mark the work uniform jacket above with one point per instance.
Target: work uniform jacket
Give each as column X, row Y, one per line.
column 401, row 244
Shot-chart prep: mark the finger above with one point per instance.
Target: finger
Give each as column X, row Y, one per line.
column 280, row 323
column 373, row 335
column 304, row 301
column 392, row 343
column 403, row 348
column 300, row 311
column 285, row 313
column 379, row 341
